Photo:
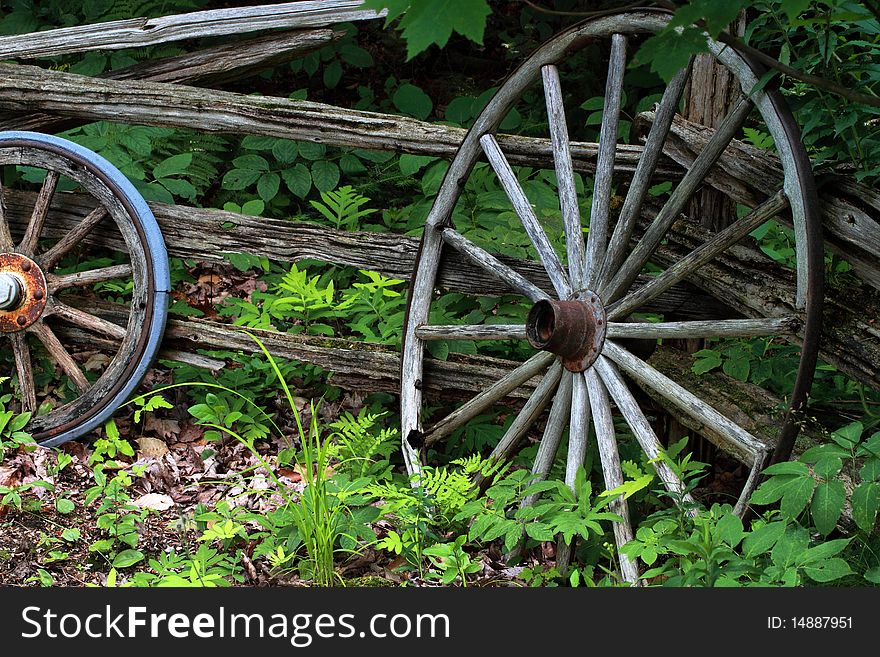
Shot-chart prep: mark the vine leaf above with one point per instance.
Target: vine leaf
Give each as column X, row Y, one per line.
column 426, row 22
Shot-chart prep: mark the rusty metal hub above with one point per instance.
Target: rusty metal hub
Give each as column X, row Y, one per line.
column 573, row 329
column 23, row 292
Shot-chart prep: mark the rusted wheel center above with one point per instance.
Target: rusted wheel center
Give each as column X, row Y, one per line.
column 23, row 292
column 573, row 329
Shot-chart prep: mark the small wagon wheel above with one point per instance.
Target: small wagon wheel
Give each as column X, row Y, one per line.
column 578, row 326
column 35, row 306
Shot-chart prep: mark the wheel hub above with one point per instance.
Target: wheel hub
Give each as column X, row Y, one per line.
column 23, row 292
column 572, row 329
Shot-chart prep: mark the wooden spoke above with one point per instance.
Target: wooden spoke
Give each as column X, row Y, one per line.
column 6, row 243
column 498, row 390
column 472, row 332
column 598, row 235
column 640, row 427
column 60, row 355
column 86, row 320
column 578, row 429
column 89, row 277
column 571, row 214
column 719, row 429
column 699, row 256
column 603, row 423
column 32, row 234
column 533, row 408
column 51, row 257
column 493, row 265
column 549, row 445
column 680, row 195
column 727, row 328
column 527, row 216
column 25, row 372
column 641, row 180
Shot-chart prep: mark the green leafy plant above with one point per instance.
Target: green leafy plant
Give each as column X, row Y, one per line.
column 561, row 511
column 712, row 548
column 452, row 561
column 427, row 22
column 811, row 484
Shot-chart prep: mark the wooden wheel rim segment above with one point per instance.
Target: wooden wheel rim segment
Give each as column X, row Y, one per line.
column 602, row 380
column 149, row 271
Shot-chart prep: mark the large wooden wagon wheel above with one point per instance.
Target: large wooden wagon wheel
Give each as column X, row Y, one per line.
column 577, row 326
column 35, row 297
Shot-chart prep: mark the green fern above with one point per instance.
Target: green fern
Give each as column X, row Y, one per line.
column 361, row 448
column 342, row 208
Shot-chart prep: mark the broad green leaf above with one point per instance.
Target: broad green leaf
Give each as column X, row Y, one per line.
column 716, row 16
column 772, row 490
column 411, row 100
column 64, row 505
column 433, row 177
column 829, row 570
column 790, row 546
column 821, row 451
column 285, row 150
column 706, row 360
column 788, row 468
column 267, row 186
column 730, row 529
column 252, row 162
column 865, row 504
column 298, row 180
column 179, row 187
column 738, row 368
column 325, row 175
column 172, row 166
column 827, row 505
column 127, row 558
column 427, row 23
column 238, row 179
column 762, row 539
column 824, row 551
column 871, row 445
column 354, row 55
column 849, row 435
column 794, row 8
column 873, row 575
column 412, row 164
column 796, row 496
column 332, row 74
column 71, row 534
column 312, row 151
column 539, row 531
column 668, row 52
column 828, row 466
column 871, row 470
column 350, row 164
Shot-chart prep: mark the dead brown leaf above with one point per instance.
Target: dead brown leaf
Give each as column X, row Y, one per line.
column 152, row 447
column 155, row 501
column 162, row 427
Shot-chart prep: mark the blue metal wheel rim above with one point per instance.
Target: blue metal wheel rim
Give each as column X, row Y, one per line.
column 159, row 278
